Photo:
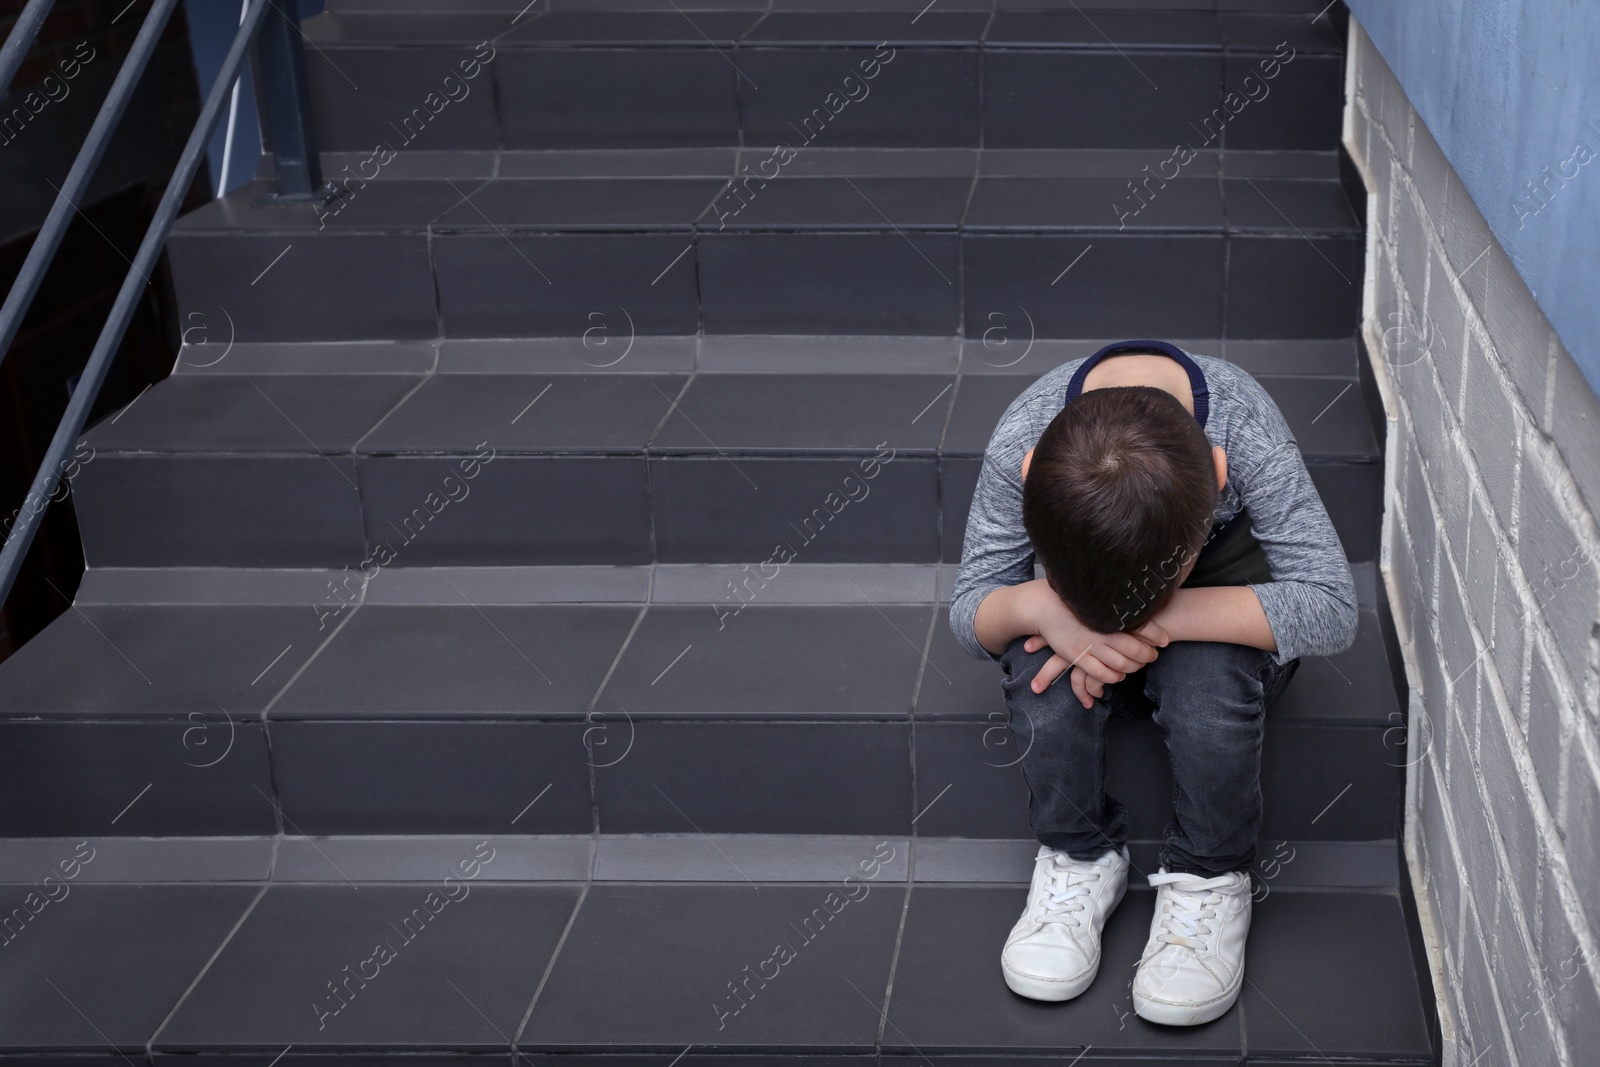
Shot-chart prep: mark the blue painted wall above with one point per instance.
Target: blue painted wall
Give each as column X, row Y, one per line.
column 1509, row 88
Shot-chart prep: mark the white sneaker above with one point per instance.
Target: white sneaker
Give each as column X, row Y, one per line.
column 1193, row 965
column 1053, row 952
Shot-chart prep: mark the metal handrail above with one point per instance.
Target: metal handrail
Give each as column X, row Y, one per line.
column 70, row 191
column 23, row 32
column 275, row 33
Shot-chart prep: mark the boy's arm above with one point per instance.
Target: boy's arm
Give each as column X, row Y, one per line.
column 996, row 554
column 1310, row 603
column 1309, row 607
column 1227, row 613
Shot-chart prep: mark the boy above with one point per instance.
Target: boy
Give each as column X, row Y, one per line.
column 1188, row 563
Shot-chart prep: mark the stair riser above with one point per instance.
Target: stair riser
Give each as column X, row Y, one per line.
column 406, row 286
column 727, row 777
column 301, row 511
column 587, row 97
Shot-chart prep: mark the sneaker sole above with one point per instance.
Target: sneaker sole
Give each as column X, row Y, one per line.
column 1051, row 989
column 1155, row 1011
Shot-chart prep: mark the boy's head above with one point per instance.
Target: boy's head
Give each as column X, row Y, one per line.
column 1118, row 497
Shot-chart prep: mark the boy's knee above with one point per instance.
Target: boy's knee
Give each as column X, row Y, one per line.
column 1021, row 667
column 1208, row 671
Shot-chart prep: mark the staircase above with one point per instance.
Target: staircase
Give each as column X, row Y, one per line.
column 518, row 625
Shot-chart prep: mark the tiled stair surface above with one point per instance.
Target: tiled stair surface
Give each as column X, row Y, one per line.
column 1059, row 239
column 629, row 700
column 631, row 450
column 954, row 74
column 443, row 540
column 862, row 950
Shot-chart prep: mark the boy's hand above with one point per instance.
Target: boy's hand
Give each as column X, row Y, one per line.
column 1103, row 658
column 1085, row 688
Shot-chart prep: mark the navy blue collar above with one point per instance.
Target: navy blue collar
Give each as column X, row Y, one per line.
column 1197, row 380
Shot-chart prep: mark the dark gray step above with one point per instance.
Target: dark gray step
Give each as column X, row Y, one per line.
column 1068, row 78
column 511, row 8
column 448, row 701
column 612, row 858
column 227, row 969
column 859, row 162
column 1197, row 257
column 610, row 466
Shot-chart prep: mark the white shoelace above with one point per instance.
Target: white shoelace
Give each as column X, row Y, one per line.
column 1064, row 899
column 1186, row 907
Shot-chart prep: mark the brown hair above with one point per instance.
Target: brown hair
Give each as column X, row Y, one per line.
column 1119, row 495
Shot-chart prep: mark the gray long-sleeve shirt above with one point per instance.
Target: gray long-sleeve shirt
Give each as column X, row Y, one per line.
column 1311, row 601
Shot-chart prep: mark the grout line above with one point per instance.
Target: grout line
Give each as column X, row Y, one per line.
column 398, row 404
column 549, row 968
column 266, row 724
column 361, row 601
column 616, row 660
column 673, row 403
column 944, row 430
column 927, row 646
column 428, row 240
column 899, row 940
column 149, row 1046
column 588, row 717
column 1244, row 1030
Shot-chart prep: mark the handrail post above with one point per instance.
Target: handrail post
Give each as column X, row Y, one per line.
column 286, row 104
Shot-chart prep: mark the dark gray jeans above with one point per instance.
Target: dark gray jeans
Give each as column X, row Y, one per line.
column 1210, row 700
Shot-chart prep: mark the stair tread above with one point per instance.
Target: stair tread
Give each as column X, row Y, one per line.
column 722, row 413
column 640, row 858
column 798, row 203
column 867, row 29
column 273, row 413
column 1337, row 963
column 492, row 951
column 165, row 686
column 1098, row 27
column 1329, row 972
column 938, row 77
column 997, row 355
column 122, row 955
column 463, row 658
column 582, row 412
column 824, row 161
column 172, row 485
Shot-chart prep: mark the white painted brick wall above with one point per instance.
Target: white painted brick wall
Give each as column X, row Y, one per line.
column 1492, row 559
